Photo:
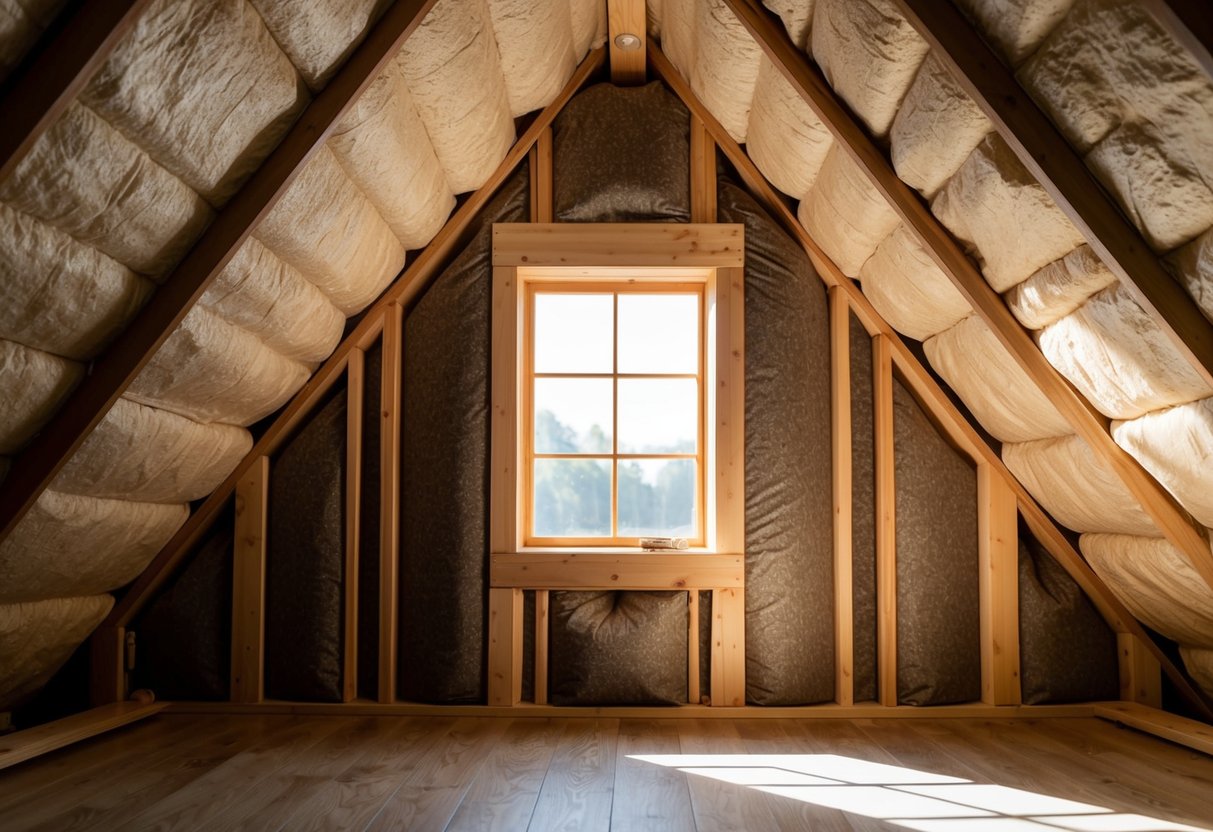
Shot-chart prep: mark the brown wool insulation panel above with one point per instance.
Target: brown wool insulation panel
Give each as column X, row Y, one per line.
column 1139, row 106
column 140, row 453
column 994, row 207
column 909, row 290
column 1076, row 487
column 1176, row 446
column 204, row 88
column 845, row 213
column 319, row 35
column 869, row 54
column 785, row 138
column 1156, row 582
column 935, row 130
column 1119, row 358
column 59, row 295
column 37, row 638
column 368, row 525
column 69, row 545
column 972, row 361
column 608, row 174
column 305, row 560
column 35, row 384
column 1082, row 665
column 789, row 559
column 938, row 651
column 184, row 636
column 1059, row 288
column 444, row 472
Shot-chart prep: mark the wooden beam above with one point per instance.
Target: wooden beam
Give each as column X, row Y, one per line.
column 1188, row 732
column 1062, row 172
column 506, row 526
column 728, row 648
column 1190, row 24
column 248, row 584
column 541, row 178
column 43, row 739
column 541, row 646
column 998, row 562
column 693, row 693
column 389, row 499
column 402, row 290
column 355, row 399
column 840, row 412
column 1171, row 519
column 34, row 468
column 57, row 71
column 924, row 385
column 886, row 523
column 107, row 665
column 619, row 244
column 703, row 173
column 727, row 402
column 505, row 647
column 627, row 18
column 595, row 570
column 1140, row 676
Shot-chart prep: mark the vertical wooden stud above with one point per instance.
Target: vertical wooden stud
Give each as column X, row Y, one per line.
column 107, row 671
column 355, row 386
column 840, row 403
column 727, row 401
column 505, row 647
column 728, row 648
column 1140, row 672
column 627, row 17
column 693, row 647
column 998, row 560
column 541, row 647
column 389, row 495
column 886, row 531
column 248, row 584
column 703, row 173
column 505, row 496
column 541, row 178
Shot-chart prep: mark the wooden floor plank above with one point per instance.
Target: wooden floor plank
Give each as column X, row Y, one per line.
column 503, row 795
column 649, row 797
column 719, row 805
column 579, row 789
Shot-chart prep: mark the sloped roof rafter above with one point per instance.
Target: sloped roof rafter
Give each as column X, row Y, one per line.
column 35, row 467
column 1173, row 521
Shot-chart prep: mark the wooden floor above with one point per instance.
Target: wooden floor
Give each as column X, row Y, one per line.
column 420, row 773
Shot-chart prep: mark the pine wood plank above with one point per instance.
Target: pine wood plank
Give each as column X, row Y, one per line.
column 542, row 174
column 389, row 498
column 619, row 244
column 33, row 742
column 578, row 791
column 355, row 398
column 542, row 624
column 502, row 796
column 1169, row 726
column 627, row 17
column 886, row 519
column 727, row 403
column 703, row 173
column 728, row 648
column 107, row 665
column 505, row 647
column 248, row 584
column 998, row 564
column 840, row 418
column 648, row 797
column 505, row 488
column 34, row 468
column 1140, row 672
column 588, row 570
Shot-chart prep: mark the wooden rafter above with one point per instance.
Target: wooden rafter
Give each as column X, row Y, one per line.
column 924, row 384
column 57, row 72
column 1061, row 171
column 627, row 17
column 33, row 470
column 1172, row 520
column 402, row 290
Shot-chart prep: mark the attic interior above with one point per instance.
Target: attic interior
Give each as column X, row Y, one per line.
column 351, row 353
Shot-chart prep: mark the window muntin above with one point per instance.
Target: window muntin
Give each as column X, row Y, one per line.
column 614, row 412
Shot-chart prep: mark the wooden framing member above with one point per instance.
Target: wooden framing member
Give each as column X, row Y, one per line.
column 248, row 584
column 728, row 648
column 505, row 646
column 541, row 646
column 626, row 570
column 389, row 499
column 1189, row 732
column 57, row 71
column 1172, row 520
column 886, row 523
column 840, row 412
column 703, row 173
column 1140, row 672
column 924, row 386
column 1189, row 22
column 541, row 177
column 998, row 563
column 627, row 17
column 107, row 666
column 34, row 468
column 1060, row 170
column 618, row 245
column 355, row 401
column 51, row 736
column 402, row 290
column 693, row 692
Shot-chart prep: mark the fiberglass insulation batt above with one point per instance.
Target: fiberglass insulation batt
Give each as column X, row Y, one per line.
column 444, row 472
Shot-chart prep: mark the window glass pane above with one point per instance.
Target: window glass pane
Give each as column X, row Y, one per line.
column 657, row 498
column 658, row 333
column 658, row 416
column 573, row 415
column 572, row 497
column 573, row 333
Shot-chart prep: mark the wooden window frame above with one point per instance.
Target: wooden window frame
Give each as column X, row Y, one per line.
column 609, row 284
